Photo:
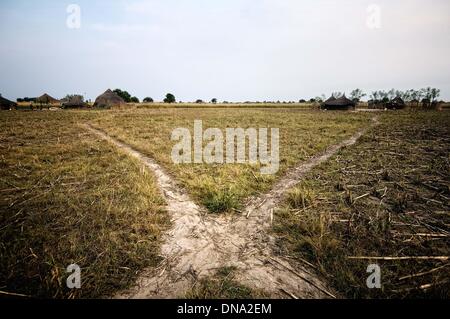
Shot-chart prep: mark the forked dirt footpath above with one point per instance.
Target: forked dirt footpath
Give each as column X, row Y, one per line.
column 199, row 243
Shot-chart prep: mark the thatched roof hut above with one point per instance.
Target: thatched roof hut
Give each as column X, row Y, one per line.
column 396, row 104
column 436, row 105
column 375, row 104
column 341, row 103
column 6, row 104
column 330, row 99
column 414, row 103
column 108, row 100
column 426, row 103
column 75, row 102
column 46, row 99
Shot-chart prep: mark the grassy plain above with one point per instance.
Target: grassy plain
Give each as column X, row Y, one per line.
column 223, row 188
column 68, row 197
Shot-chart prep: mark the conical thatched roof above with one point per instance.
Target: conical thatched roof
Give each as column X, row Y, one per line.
column 6, row 104
column 396, row 103
column 108, row 100
column 330, row 99
column 340, row 102
column 46, row 99
column 398, row 100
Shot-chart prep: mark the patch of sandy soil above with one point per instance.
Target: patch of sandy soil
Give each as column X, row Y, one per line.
column 199, row 243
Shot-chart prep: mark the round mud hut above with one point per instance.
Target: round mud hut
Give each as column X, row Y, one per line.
column 108, row 100
column 341, row 103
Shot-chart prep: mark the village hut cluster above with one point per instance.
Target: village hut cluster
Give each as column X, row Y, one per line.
column 110, row 99
column 397, row 103
column 343, row 103
column 107, row 100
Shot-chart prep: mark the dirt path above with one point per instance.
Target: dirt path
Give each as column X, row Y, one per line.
column 199, row 243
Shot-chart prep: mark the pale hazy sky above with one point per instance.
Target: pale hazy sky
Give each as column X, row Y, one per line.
column 233, row 50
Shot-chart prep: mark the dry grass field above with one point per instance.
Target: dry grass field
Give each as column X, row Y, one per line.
column 388, row 196
column 67, row 196
column 223, row 188
column 249, row 105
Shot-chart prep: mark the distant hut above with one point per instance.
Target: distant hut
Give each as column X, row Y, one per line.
column 330, row 99
column 414, row 103
column 46, row 99
column 75, row 102
column 341, row 103
column 426, row 103
column 108, row 100
column 396, row 104
column 436, row 105
column 372, row 104
column 6, row 104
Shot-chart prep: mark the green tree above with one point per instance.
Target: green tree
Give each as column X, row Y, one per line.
column 170, row 98
column 391, row 94
column 148, row 100
column 214, row 101
column 357, row 95
column 134, row 100
column 435, row 93
column 375, row 96
column 317, row 99
column 124, row 95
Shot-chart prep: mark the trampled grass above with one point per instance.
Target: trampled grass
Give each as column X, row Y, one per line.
column 67, row 197
column 387, row 196
column 222, row 188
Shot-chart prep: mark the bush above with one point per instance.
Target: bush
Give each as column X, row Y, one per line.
column 170, row 98
column 123, row 94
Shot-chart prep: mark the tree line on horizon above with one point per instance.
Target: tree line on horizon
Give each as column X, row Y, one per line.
column 428, row 93
column 356, row 95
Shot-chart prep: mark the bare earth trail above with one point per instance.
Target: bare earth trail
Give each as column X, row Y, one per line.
column 199, row 243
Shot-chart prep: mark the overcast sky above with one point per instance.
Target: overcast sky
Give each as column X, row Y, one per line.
column 233, row 50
